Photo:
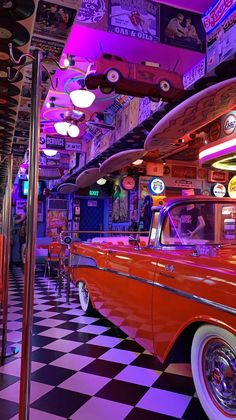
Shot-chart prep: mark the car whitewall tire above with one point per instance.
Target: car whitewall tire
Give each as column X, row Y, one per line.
column 84, row 298
column 113, row 76
column 165, row 85
column 213, row 362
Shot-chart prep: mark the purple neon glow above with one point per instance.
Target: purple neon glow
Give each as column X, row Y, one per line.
column 221, row 152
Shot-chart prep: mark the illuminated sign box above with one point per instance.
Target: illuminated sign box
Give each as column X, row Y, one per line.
column 94, row 193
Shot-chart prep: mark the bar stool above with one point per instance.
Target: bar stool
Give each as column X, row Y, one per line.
column 54, row 249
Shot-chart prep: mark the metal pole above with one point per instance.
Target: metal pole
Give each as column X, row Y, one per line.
column 6, row 352
column 3, row 239
column 31, row 228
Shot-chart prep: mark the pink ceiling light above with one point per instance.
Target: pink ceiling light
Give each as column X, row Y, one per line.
column 67, row 129
column 82, row 98
column 73, row 130
column 50, row 152
column 62, row 127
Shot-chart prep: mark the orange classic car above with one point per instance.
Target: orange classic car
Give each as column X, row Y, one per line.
column 177, row 295
column 111, row 72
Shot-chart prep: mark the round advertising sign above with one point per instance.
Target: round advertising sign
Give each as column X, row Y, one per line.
column 219, row 190
column 232, row 187
column 229, row 124
column 156, row 186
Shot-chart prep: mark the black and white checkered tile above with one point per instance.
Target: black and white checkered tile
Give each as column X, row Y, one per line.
column 85, row 368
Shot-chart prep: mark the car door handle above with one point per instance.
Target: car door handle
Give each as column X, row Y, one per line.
column 169, row 268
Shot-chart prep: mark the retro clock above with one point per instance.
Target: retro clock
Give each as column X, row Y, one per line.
column 128, row 183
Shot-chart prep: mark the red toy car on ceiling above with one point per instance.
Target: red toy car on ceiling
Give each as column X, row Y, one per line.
column 111, row 72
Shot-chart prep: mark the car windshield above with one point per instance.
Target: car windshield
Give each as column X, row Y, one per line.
column 193, row 223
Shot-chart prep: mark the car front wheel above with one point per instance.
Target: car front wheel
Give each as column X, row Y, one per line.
column 113, row 76
column 164, row 85
column 106, row 89
column 213, row 360
column 84, row 298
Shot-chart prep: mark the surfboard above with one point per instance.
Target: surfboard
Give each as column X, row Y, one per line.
column 192, row 114
column 121, row 160
column 88, row 177
column 67, row 188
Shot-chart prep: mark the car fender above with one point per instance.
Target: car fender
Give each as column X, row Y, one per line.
column 181, row 342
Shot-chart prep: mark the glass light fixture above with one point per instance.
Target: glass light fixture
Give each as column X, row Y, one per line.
column 73, row 130
column 61, row 127
column 50, row 152
column 137, row 162
column 82, row 98
column 69, row 61
column 101, row 181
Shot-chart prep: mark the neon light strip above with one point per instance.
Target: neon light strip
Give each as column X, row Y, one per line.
column 218, row 150
column 224, row 166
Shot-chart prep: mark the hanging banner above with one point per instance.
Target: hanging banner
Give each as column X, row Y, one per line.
column 137, row 19
column 221, row 42
column 181, row 28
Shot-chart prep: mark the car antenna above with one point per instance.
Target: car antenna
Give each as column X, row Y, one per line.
column 100, row 44
column 176, row 64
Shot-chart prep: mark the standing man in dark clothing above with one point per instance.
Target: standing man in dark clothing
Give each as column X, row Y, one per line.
column 191, row 221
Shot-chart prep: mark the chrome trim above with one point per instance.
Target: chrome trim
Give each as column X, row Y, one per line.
column 81, row 260
column 219, row 372
column 181, row 293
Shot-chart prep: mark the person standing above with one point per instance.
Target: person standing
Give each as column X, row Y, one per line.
column 191, row 221
column 20, row 220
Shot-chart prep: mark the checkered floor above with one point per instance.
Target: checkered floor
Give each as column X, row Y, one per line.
column 84, row 368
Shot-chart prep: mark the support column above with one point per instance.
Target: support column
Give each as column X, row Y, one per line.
column 11, row 350
column 31, row 230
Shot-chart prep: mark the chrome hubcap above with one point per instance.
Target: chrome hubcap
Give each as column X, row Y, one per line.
column 219, row 369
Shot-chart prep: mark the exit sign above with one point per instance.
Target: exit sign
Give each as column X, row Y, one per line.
column 94, row 193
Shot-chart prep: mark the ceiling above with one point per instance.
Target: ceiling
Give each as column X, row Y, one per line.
column 86, row 42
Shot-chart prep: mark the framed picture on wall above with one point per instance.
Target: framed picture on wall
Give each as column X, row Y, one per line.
column 120, row 204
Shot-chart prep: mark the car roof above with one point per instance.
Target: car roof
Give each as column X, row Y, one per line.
column 199, row 198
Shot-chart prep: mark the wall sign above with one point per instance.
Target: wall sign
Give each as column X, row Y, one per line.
column 221, row 41
column 183, row 183
column 205, row 192
column 232, row 187
column 94, row 193
column 91, row 11
column 219, row 190
column 181, row 28
column 55, row 143
column 229, row 124
column 184, row 172
column 216, row 13
column 195, row 73
column 156, row 186
column 92, row 203
column 73, row 147
column 217, row 176
column 136, row 19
